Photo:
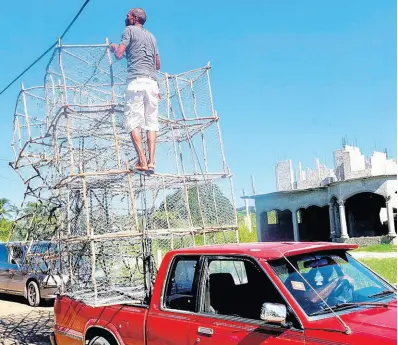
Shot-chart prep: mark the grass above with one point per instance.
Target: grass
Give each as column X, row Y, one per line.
column 387, row 268
column 379, row 248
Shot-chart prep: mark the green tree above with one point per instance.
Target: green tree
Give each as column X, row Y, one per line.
column 37, row 221
column 5, row 228
column 7, row 211
column 6, row 208
column 207, row 205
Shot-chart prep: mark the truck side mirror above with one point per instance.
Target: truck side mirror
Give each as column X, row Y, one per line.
column 273, row 312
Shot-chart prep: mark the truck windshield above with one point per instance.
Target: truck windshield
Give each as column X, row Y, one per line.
column 332, row 277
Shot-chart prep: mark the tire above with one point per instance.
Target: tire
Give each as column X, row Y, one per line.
column 33, row 294
column 99, row 341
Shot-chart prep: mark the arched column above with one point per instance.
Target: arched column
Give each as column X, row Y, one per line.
column 262, row 226
column 390, row 217
column 332, row 221
column 295, row 226
column 343, row 221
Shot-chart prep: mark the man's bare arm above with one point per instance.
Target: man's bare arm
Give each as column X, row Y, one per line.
column 118, row 50
column 157, row 62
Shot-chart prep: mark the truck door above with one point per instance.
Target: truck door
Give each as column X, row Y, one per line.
column 233, row 291
column 169, row 321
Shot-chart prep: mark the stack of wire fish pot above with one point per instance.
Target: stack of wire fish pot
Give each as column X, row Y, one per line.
column 87, row 219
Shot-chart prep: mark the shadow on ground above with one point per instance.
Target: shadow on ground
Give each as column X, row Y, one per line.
column 22, row 300
column 24, row 324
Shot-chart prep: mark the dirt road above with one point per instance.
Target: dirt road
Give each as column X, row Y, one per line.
column 21, row 324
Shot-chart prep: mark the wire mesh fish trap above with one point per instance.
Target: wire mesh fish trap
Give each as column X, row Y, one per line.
column 113, row 226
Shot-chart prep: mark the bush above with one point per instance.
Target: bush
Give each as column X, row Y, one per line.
column 5, row 228
column 245, row 235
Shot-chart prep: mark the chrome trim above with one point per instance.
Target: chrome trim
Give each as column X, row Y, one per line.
column 67, row 334
column 11, row 292
column 205, row 331
column 251, row 324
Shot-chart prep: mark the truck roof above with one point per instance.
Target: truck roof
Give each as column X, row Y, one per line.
column 265, row 250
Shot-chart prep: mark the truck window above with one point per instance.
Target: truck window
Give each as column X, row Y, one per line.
column 235, row 268
column 236, row 287
column 180, row 294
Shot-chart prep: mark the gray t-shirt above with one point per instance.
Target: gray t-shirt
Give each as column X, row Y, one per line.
column 141, row 51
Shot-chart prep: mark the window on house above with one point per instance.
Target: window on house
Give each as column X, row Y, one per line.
column 299, row 220
column 272, row 217
column 180, row 290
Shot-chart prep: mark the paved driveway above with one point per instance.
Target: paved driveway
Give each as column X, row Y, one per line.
column 21, row 324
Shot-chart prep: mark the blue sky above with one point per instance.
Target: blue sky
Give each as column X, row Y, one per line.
column 290, row 78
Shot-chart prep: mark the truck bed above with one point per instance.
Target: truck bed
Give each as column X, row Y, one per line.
column 74, row 319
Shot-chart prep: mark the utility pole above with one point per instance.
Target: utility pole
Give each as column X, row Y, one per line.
column 248, row 218
column 253, row 191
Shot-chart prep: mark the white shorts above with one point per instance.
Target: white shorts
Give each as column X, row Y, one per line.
column 141, row 105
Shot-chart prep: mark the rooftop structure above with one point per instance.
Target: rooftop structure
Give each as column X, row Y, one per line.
column 350, row 164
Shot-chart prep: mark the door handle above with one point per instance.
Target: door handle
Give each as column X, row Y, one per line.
column 205, row 331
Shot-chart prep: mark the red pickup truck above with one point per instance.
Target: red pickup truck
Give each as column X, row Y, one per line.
column 247, row 294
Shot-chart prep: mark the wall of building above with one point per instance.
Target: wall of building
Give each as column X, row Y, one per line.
column 350, row 163
column 284, row 176
column 338, row 194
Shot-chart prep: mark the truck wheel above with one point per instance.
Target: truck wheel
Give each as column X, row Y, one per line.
column 99, row 341
column 33, row 294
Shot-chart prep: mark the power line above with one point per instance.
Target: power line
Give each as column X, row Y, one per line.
column 7, row 178
column 50, row 48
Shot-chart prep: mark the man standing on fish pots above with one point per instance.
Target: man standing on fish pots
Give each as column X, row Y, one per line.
column 142, row 92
